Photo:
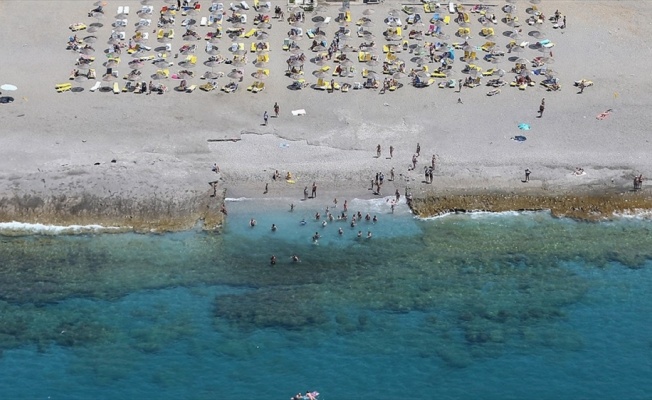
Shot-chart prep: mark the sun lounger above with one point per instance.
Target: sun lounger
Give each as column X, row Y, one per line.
column 64, row 89
column 207, row 87
column 191, row 88
column 322, row 84
column 116, row 88
column 327, row 20
column 120, row 10
column 203, row 21
column 452, row 8
column 244, row 5
column 96, row 86
column 78, row 26
column 60, row 85
column 258, row 87
column 447, row 19
column 126, row 10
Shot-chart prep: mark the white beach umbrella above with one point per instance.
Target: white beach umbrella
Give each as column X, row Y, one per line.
column 235, row 74
column 368, row 11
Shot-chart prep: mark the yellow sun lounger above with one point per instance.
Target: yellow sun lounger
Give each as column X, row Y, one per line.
column 447, row 19
column 250, row 33
column 258, row 87
column 60, row 85
column 77, row 26
column 160, row 34
column 63, row 87
column 191, row 88
column 252, row 86
column 116, row 88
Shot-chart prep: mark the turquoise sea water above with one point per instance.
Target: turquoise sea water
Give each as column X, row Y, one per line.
column 490, row 306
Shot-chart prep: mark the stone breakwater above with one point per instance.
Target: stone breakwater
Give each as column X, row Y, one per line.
column 181, row 211
column 581, row 205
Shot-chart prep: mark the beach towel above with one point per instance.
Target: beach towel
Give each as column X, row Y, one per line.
column 519, row 138
column 298, row 112
column 524, row 127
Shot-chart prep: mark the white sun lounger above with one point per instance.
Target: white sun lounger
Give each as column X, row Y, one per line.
column 120, row 10
column 126, row 10
column 204, row 21
column 244, row 5
column 298, row 112
column 96, row 86
column 451, row 7
column 327, row 20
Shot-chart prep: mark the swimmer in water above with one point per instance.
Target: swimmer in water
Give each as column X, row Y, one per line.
column 252, row 222
column 359, row 234
column 273, row 227
column 295, row 258
column 291, row 207
column 353, row 224
column 367, row 217
column 303, row 221
column 317, row 216
column 375, row 219
column 323, row 224
column 315, row 237
column 359, row 215
column 273, row 260
column 340, row 231
column 368, row 234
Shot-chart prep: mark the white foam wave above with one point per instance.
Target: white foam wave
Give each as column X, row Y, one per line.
column 481, row 214
column 22, row 228
column 635, row 214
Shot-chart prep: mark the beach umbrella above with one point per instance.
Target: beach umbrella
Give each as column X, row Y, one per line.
column 264, row 25
column 192, row 12
column 146, row 2
column 373, row 75
column 296, row 37
column 99, row 4
column 212, row 63
column 90, row 39
column 346, row 63
column 235, row 74
column 522, row 60
column 211, row 75
column 319, row 48
column 369, row 36
column 399, row 75
column 133, row 76
column 186, row 74
column 524, row 127
column 393, row 12
column 239, row 63
column 517, row 49
column 121, row 16
column 162, row 64
column 97, row 15
column 109, row 78
column 159, row 77
column 111, row 64
column 320, row 61
column 296, row 50
column 516, row 35
column 164, row 39
column 296, row 63
column 535, row 1
column 260, row 64
column 319, row 74
column 373, row 63
column 260, row 35
column 187, row 64
column 260, row 75
column 144, row 12
column 87, row 50
column 295, row 76
column 213, row 39
column 81, row 78
column 368, row 24
column 136, row 65
column 548, row 60
column 368, row 11
column 318, row 18
column 297, row 23
column 213, row 51
column 501, row 73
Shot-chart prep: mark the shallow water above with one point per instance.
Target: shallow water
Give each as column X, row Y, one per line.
column 486, row 305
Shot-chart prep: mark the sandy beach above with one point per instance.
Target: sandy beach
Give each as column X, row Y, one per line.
column 145, row 160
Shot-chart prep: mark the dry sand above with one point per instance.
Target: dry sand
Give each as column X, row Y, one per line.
column 162, row 143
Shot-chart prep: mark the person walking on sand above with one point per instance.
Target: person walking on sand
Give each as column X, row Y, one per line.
column 459, row 86
column 418, row 149
column 378, row 151
column 391, row 151
column 265, row 117
column 542, row 107
column 277, row 109
column 527, row 175
column 391, row 174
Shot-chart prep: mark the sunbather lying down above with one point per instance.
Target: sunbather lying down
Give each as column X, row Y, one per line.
column 605, row 114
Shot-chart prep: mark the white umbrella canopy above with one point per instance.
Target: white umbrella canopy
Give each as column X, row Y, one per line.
column 368, row 11
column 8, row 87
column 235, row 74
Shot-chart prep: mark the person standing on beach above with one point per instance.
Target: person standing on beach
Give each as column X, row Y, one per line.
column 433, row 161
column 314, row 190
column 391, row 174
column 527, row 175
column 305, row 193
column 391, row 151
column 265, row 117
column 459, row 86
column 277, row 109
column 418, row 149
column 346, row 207
column 414, row 161
column 378, row 151
column 542, row 107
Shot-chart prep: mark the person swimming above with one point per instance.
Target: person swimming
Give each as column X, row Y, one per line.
column 252, row 222
column 323, row 224
column 375, row 219
column 273, row 260
column 367, row 217
column 295, row 258
column 317, row 216
column 359, row 234
column 303, row 221
column 315, row 237
column 273, row 227
column 368, row 234
column 340, row 231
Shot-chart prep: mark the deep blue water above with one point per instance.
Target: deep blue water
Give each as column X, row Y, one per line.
column 507, row 306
